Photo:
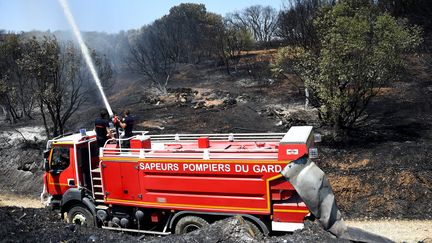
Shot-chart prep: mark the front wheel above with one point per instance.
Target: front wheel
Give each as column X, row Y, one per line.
column 81, row 216
column 190, row 223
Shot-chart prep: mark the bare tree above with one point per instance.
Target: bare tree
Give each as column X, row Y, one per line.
column 186, row 35
column 154, row 55
column 296, row 22
column 262, row 21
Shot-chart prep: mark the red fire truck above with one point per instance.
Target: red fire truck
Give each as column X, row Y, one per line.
column 176, row 183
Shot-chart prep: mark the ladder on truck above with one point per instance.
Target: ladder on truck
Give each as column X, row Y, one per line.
column 96, row 178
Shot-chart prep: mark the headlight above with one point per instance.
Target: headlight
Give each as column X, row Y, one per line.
column 313, row 153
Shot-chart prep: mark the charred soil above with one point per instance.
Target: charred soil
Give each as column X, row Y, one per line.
column 41, row 225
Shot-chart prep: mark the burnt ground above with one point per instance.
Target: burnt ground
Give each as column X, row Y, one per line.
column 30, row 225
column 21, row 160
column 41, row 225
column 385, row 171
column 382, row 172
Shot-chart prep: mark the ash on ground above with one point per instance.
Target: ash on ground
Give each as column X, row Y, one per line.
column 42, row 225
column 236, row 231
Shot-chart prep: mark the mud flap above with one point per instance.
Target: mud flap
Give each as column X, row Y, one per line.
column 314, row 188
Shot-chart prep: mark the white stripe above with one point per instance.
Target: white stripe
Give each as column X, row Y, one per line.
column 285, row 226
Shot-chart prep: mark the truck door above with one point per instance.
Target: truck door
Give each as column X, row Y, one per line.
column 121, row 180
column 83, row 160
column 61, row 175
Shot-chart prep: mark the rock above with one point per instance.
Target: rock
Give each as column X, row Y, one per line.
column 93, row 238
column 229, row 102
column 71, row 227
column 210, row 96
column 241, row 99
column 199, row 105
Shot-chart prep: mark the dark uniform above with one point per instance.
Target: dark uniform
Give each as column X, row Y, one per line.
column 129, row 121
column 101, row 126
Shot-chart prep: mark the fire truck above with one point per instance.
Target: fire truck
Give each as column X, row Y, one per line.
column 177, row 183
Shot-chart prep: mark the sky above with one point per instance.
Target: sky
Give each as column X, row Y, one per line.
column 109, row 16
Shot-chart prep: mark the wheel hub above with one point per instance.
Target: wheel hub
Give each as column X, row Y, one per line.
column 79, row 219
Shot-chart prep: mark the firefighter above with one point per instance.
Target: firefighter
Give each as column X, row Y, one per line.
column 127, row 124
column 103, row 133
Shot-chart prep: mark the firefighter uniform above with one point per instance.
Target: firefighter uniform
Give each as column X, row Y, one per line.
column 101, row 127
column 127, row 125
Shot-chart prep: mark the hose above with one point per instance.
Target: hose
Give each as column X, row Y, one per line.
column 314, row 188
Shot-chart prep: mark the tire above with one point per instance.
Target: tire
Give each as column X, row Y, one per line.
column 81, row 216
column 255, row 231
column 190, row 223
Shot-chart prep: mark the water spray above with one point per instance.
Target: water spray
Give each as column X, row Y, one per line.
column 85, row 53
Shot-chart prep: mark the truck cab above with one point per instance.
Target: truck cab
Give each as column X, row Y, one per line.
column 68, row 160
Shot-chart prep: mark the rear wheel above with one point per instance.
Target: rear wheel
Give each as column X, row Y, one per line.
column 81, row 216
column 190, row 223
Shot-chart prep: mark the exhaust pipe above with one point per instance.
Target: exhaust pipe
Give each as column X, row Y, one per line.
column 313, row 187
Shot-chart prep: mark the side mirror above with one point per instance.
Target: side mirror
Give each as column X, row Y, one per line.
column 46, row 154
column 46, row 165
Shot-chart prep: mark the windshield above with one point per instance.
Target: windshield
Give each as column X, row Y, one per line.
column 60, row 158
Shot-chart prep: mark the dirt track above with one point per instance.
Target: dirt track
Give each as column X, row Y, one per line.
column 398, row 230
column 11, row 200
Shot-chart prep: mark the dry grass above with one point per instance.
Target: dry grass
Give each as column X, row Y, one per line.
column 354, row 164
column 9, row 200
column 259, row 52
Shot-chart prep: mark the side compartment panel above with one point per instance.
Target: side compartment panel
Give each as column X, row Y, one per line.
column 121, row 181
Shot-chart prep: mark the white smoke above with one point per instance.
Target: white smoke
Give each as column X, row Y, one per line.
column 85, row 52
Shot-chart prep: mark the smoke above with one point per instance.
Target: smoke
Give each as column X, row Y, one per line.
column 85, row 53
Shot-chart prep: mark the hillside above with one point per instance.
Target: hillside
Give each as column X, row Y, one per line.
column 383, row 171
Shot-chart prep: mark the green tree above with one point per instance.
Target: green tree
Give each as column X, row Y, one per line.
column 282, row 66
column 15, row 85
column 360, row 51
column 231, row 40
